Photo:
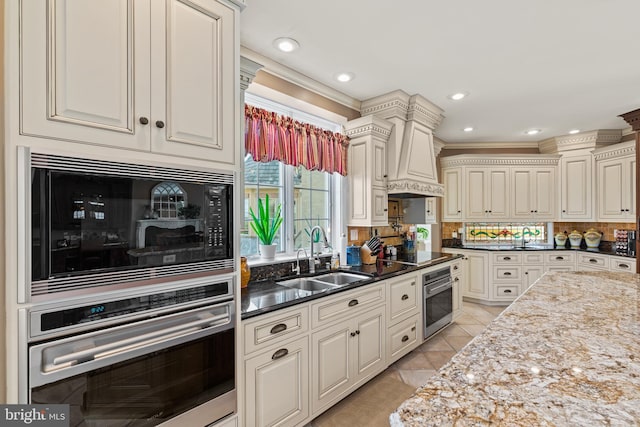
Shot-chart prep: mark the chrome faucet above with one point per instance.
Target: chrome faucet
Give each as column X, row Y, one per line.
column 296, row 269
column 313, row 260
column 524, row 242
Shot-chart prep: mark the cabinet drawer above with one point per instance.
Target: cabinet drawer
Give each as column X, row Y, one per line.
column 265, row 330
column 344, row 305
column 456, row 268
column 532, row 258
column 403, row 337
column 403, row 297
column 622, row 264
column 511, row 273
column 591, row 260
column 507, row 258
column 507, row 292
column 560, row 257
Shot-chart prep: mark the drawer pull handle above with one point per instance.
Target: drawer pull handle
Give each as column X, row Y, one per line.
column 506, row 273
column 413, row 328
column 353, row 302
column 507, row 291
column 455, row 267
column 405, row 297
column 405, row 338
column 623, row 265
column 559, row 258
column 457, row 279
column 278, row 328
column 413, row 283
column 593, row 260
column 280, row 353
column 507, row 258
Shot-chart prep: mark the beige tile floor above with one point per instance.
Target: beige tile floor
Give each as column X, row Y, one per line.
column 371, row 404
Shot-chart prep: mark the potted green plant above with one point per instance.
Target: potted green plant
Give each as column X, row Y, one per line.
column 266, row 227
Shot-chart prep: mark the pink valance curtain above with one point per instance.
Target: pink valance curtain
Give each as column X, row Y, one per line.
column 269, row 136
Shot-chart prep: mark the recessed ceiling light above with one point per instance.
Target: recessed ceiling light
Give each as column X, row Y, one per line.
column 468, row 129
column 533, row 131
column 344, row 77
column 574, row 131
column 286, row 44
column 458, row 96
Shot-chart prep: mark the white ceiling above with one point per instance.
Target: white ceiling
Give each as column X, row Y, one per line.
column 554, row 65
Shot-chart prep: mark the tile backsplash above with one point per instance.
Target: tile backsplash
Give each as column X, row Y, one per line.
column 606, row 228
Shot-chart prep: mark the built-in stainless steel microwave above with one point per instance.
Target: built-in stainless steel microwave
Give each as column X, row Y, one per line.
column 94, row 223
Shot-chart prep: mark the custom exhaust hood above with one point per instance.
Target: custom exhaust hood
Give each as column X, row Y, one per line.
column 411, row 153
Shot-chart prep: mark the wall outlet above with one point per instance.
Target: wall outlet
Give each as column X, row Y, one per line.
column 354, row 235
column 454, row 234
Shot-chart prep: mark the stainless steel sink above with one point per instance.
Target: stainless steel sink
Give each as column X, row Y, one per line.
column 307, row 284
column 340, row 278
column 323, row 282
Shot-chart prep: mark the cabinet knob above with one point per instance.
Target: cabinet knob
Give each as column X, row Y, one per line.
column 384, row 176
column 405, row 297
column 621, row 210
column 353, row 334
column 385, row 209
column 358, row 332
column 457, row 279
column 159, row 124
column 526, row 272
column 564, row 211
column 144, row 121
column 280, row 353
column 455, row 267
column 459, row 211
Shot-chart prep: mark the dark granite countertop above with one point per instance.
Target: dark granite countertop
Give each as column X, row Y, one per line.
column 535, row 248
column 264, row 296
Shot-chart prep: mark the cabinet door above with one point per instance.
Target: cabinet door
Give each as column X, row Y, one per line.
column 457, row 295
column 544, row 193
column 85, row 71
column 531, row 274
column 632, row 171
column 369, row 342
column 477, row 272
column 452, row 210
column 332, row 367
column 521, row 197
column 194, row 79
column 404, row 296
column 277, row 385
column 612, row 196
column 576, row 192
column 380, row 208
column 379, row 173
column 497, row 193
column 475, row 185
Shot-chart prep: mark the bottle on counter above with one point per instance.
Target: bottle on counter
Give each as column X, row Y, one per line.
column 335, row 260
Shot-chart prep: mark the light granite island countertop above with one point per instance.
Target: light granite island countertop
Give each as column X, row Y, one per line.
column 566, row 353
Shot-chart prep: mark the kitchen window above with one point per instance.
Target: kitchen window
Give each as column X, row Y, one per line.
column 308, row 198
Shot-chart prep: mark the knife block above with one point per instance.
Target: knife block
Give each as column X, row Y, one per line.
column 366, row 257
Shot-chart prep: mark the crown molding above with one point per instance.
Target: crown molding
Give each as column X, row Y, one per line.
column 281, row 71
column 424, row 111
column 617, row 150
column 403, row 186
column 390, row 105
column 500, row 160
column 248, row 70
column 633, row 118
column 374, row 126
column 495, row 144
column 583, row 140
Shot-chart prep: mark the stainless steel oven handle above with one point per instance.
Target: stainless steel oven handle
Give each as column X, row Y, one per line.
column 432, row 290
column 138, row 341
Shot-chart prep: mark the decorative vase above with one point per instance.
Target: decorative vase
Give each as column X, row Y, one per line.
column 575, row 238
column 592, row 237
column 318, row 247
column 245, row 272
column 268, row 251
column 561, row 240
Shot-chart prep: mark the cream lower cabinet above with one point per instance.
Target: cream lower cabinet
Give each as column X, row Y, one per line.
column 404, row 308
column 147, row 75
column 458, row 278
column 277, row 382
column 345, row 355
column 474, row 282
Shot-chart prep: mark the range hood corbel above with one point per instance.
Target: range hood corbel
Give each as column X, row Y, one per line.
column 411, row 154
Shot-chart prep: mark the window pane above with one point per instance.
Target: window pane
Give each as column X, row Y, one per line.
column 311, row 205
column 260, row 179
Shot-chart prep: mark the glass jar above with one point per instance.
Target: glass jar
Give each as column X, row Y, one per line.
column 245, row 272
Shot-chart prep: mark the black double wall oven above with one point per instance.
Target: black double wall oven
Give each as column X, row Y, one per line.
column 127, row 302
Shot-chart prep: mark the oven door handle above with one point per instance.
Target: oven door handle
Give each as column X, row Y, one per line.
column 128, row 344
column 437, row 288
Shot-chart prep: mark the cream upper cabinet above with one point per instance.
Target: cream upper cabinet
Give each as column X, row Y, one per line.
column 616, row 177
column 145, row 75
column 453, row 191
column 367, row 166
column 576, row 187
column 486, row 193
column 532, row 193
